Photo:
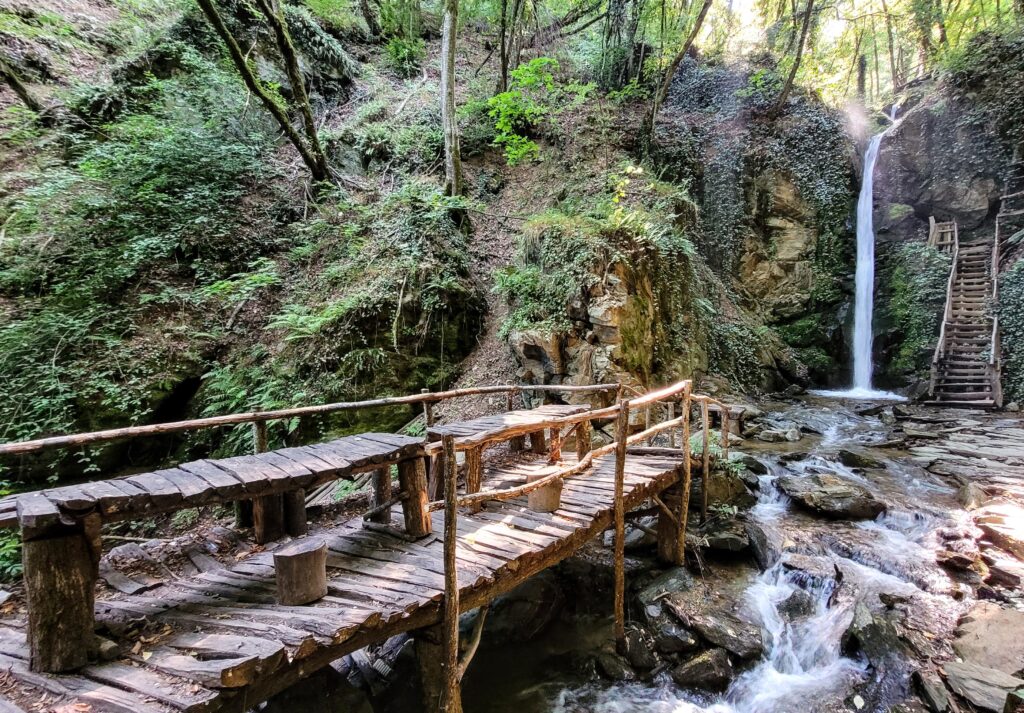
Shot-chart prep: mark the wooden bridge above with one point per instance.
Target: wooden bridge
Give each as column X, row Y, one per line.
column 223, row 640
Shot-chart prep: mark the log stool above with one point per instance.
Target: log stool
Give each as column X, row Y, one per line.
column 301, row 572
column 546, row 499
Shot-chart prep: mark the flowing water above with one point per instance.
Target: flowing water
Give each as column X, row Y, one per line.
column 804, row 666
column 864, row 302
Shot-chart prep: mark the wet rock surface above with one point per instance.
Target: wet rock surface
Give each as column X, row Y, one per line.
column 832, row 496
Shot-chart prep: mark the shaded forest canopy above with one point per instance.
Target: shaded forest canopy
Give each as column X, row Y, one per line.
column 220, row 206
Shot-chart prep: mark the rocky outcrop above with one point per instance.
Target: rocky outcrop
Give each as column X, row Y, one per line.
column 832, row 496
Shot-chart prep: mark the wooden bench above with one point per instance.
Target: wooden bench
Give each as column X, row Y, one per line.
column 61, row 526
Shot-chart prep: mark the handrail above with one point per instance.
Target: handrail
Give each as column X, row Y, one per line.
column 994, row 342
column 113, row 434
column 947, row 315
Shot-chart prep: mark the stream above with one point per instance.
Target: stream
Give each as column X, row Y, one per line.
column 806, row 661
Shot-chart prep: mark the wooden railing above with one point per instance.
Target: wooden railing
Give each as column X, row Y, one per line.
column 994, row 357
column 473, row 446
column 947, row 315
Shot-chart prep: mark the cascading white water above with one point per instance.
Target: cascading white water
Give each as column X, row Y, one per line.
column 864, row 303
column 865, row 295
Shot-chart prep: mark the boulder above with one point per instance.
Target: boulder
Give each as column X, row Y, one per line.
column 672, row 638
column 954, row 560
column 876, row 634
column 710, row 671
column 614, row 667
column 832, row 496
column 984, row 688
column 991, row 636
column 798, row 605
column 676, row 579
column 724, row 535
column 639, row 650
column 858, row 459
column 771, row 435
column 718, row 626
column 764, row 550
column 972, row 496
column 1003, row 524
column 932, row 691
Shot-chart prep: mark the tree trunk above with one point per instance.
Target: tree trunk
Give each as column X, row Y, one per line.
column 670, row 72
column 503, row 49
column 370, row 17
column 256, row 87
column 449, row 121
column 892, row 47
column 788, row 86
column 299, row 97
column 862, row 77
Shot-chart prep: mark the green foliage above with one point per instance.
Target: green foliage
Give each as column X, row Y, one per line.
column 1011, row 325
column 917, row 275
column 532, row 98
column 184, row 520
column 406, row 55
column 154, row 203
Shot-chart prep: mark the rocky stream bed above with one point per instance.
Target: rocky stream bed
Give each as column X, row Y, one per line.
column 858, row 556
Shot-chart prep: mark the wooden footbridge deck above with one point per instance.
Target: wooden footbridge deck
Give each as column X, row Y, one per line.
column 222, row 641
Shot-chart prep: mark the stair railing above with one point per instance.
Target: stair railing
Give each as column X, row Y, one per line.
column 947, row 315
column 995, row 345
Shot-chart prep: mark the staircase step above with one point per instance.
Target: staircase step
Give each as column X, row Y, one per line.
column 979, row 403
column 965, row 396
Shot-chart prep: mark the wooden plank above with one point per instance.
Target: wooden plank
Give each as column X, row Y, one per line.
column 232, row 672
column 71, row 497
column 299, row 476
column 194, row 490
column 162, row 492
column 268, row 653
column 225, row 483
column 111, row 500
column 36, row 511
column 254, row 473
column 174, row 692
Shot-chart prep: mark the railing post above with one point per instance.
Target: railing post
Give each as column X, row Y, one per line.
column 267, row 510
column 705, row 459
column 451, row 701
column 684, row 500
column 474, row 472
column 382, row 494
column 726, row 430
column 621, row 434
column 555, row 450
column 516, row 444
column 584, row 439
column 671, row 431
column 412, row 478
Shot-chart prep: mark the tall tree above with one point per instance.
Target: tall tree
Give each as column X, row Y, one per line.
column 369, row 13
column 670, row 71
column 788, row 86
column 892, row 47
column 449, row 121
column 309, row 148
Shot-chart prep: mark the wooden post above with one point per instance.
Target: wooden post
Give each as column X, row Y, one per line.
column 545, row 499
column 668, row 526
column 621, row 434
column 555, row 451
column 60, row 583
column 671, row 431
column 243, row 508
column 268, row 518
column 294, row 503
column 705, row 460
column 537, row 444
column 684, row 501
column 382, row 494
column 647, row 419
column 412, row 478
column 725, row 433
column 428, row 410
column 474, row 473
column 517, row 443
column 584, row 439
column 451, row 698
column 301, row 570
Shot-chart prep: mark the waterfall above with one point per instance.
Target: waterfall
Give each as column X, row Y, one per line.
column 865, row 295
column 864, row 303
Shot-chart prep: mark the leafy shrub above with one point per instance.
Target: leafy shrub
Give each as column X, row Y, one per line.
column 405, row 55
column 917, row 275
column 1011, row 325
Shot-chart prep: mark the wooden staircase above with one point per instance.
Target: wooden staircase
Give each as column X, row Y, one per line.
column 966, row 366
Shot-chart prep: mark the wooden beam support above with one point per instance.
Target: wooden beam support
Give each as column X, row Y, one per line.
column 684, row 501
column 555, row 451
column 545, row 499
column 705, row 460
column 584, row 439
column 451, row 696
column 668, row 525
column 412, row 478
column 295, row 522
column 382, row 494
column 268, row 518
column 537, row 444
column 60, row 583
column 516, row 444
column 621, row 435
